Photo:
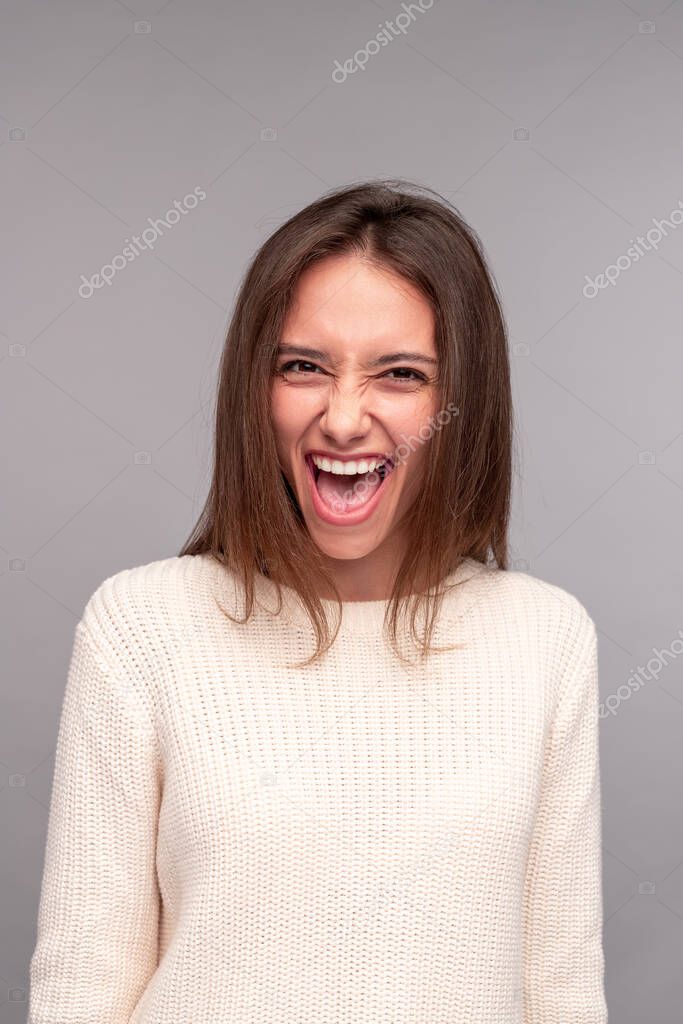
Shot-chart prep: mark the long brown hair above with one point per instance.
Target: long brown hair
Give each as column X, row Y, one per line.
column 251, row 522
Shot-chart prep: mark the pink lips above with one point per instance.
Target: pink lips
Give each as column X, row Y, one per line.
column 352, row 518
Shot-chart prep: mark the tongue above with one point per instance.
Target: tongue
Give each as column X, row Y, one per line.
column 341, row 493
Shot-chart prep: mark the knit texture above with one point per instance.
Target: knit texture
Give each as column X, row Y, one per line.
column 232, row 841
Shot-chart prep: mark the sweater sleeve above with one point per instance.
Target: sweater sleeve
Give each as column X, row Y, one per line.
column 563, row 965
column 97, row 925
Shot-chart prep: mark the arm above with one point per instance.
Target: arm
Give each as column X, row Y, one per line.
column 563, row 954
column 98, row 917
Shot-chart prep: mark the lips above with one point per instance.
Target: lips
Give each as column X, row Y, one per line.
column 346, row 500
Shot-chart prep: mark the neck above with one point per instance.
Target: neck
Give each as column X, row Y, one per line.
column 370, row 578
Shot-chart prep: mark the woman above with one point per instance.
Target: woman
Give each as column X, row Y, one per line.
column 335, row 762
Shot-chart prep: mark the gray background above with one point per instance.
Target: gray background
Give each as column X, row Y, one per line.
column 555, row 129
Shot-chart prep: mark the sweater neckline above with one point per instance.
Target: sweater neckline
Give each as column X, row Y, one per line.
column 358, row 617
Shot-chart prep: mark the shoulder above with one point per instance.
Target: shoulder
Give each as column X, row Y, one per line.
column 529, row 593
column 544, row 614
column 135, row 609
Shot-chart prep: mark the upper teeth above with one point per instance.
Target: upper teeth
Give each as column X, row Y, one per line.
column 347, row 468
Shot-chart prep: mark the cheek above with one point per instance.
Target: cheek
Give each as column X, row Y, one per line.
column 413, row 432
column 284, row 415
column 291, row 418
column 291, row 409
column 280, row 416
column 412, row 421
column 416, row 461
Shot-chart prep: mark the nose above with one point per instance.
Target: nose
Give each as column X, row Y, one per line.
column 345, row 417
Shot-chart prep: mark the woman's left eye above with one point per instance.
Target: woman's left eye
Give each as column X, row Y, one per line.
column 406, row 369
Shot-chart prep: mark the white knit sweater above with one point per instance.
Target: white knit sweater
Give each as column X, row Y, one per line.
column 231, row 841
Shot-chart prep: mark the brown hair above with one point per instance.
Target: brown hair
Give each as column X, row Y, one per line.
column 251, row 521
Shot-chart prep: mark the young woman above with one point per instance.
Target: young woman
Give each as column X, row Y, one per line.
column 335, row 761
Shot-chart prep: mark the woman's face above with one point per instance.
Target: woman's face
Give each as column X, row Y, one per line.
column 356, row 381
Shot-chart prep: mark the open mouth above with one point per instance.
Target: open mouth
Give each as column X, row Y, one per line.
column 344, row 493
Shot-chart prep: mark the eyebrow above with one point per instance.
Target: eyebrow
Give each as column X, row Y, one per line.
column 322, row 357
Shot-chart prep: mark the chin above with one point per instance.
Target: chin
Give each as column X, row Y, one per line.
column 346, row 548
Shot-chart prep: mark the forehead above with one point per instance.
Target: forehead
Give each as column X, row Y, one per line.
column 347, row 300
